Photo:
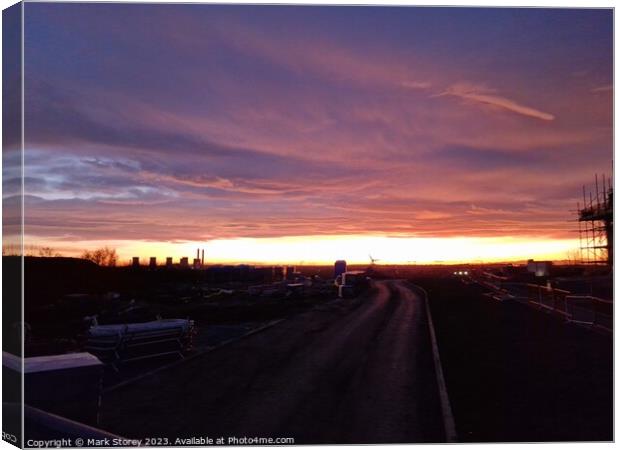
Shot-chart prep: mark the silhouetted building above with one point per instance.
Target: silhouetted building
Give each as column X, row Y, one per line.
column 264, row 274
column 196, row 263
column 278, row 273
column 153, row 262
column 169, row 262
column 539, row 268
column 184, row 263
column 290, row 273
column 340, row 267
column 135, row 261
column 243, row 271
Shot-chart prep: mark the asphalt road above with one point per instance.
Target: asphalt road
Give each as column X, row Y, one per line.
column 353, row 371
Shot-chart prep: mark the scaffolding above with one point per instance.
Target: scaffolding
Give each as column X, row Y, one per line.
column 596, row 224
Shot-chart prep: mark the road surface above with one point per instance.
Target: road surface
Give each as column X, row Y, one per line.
column 353, row 371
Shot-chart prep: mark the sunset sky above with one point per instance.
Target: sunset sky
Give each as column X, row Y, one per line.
column 290, row 133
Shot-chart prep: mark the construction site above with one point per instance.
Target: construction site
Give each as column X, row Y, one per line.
column 596, row 224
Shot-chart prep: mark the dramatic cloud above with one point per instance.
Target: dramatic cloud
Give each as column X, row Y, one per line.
column 194, row 123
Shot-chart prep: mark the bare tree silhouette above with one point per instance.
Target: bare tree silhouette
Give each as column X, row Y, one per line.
column 103, row 256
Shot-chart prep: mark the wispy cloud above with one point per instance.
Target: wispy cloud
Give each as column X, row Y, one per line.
column 413, row 84
column 486, row 96
column 605, row 88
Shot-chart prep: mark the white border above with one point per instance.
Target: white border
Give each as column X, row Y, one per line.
column 479, row 3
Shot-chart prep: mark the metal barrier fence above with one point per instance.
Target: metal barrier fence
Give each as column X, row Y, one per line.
column 589, row 310
column 554, row 300
column 579, row 309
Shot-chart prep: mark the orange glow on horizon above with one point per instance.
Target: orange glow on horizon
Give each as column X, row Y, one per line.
column 326, row 249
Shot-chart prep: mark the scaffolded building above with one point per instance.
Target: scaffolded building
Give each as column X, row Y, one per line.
column 596, row 224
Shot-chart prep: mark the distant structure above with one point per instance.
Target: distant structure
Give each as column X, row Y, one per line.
column 596, row 224
column 199, row 260
column 278, row 273
column 169, row 262
column 184, row 263
column 340, row 267
column 152, row 262
column 351, row 283
column 539, row 268
column 290, row 273
column 135, row 261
